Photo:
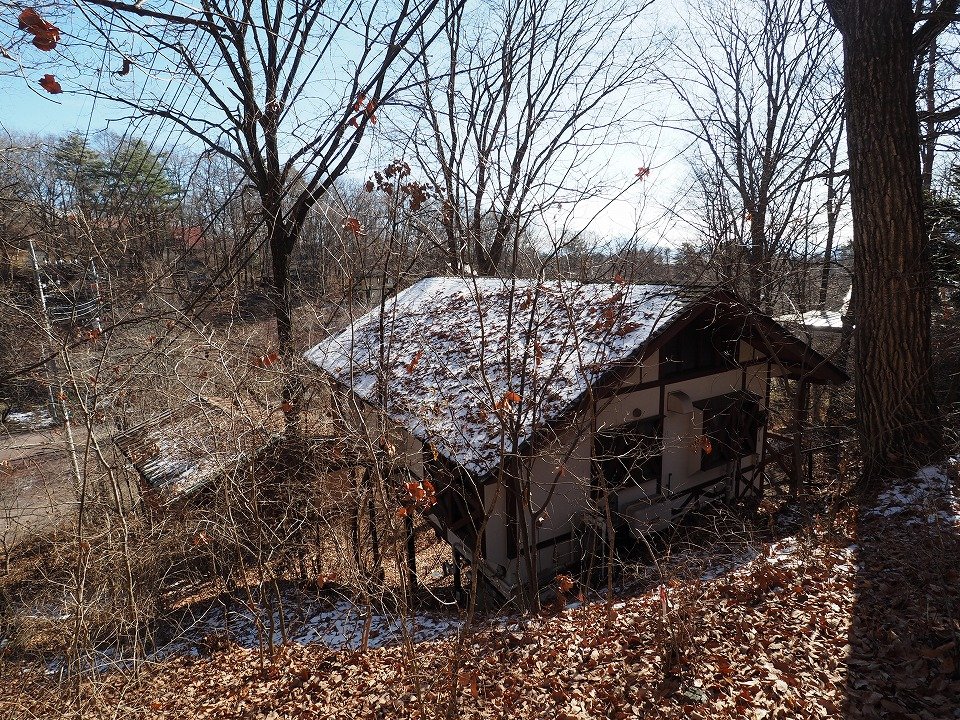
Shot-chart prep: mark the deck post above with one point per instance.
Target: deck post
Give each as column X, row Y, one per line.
column 800, row 419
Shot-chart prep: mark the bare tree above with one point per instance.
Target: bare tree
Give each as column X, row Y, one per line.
column 897, row 413
column 936, row 72
column 284, row 89
column 760, row 88
column 519, row 108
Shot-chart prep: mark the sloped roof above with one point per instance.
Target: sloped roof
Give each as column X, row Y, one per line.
column 467, row 364
column 181, row 450
column 816, row 320
column 820, row 320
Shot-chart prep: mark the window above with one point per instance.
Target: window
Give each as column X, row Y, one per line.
column 699, row 348
column 730, row 426
column 630, row 454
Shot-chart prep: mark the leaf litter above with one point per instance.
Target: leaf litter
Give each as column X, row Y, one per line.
column 856, row 617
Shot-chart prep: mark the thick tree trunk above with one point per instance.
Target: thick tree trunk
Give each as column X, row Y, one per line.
column 897, row 415
column 756, row 255
column 282, row 300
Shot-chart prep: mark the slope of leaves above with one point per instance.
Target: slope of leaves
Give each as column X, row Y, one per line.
column 856, row 617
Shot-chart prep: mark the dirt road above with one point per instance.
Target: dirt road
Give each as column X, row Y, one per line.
column 37, row 489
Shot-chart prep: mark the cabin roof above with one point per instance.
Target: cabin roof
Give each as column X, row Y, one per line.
column 465, row 358
column 474, row 366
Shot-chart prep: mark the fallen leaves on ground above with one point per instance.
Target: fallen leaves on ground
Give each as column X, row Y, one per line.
column 855, row 617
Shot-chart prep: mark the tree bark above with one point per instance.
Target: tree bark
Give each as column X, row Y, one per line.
column 896, row 408
column 281, row 241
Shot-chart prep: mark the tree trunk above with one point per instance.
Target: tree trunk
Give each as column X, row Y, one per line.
column 756, row 254
column 282, row 301
column 896, row 409
column 281, row 248
column 929, row 145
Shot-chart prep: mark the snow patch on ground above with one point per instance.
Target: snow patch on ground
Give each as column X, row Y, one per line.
column 29, row 420
column 929, row 498
column 339, row 626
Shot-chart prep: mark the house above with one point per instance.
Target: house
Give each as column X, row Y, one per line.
column 813, row 323
column 544, row 412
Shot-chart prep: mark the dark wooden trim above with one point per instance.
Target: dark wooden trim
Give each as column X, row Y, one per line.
column 556, row 540
column 686, row 377
column 637, row 387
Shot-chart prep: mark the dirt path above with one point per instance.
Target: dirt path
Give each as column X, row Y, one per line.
column 37, row 490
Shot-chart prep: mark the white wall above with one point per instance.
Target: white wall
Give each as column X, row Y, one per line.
column 560, row 475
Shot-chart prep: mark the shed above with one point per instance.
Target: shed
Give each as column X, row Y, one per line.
column 547, row 413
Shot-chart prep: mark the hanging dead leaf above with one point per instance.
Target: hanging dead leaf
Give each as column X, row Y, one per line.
column 388, row 447
column 45, row 42
column 50, row 84
column 508, row 398
column 28, row 19
column 642, row 173
column 267, row 360
column 45, row 35
column 353, row 225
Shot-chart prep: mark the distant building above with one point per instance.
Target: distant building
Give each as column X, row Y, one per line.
column 181, row 450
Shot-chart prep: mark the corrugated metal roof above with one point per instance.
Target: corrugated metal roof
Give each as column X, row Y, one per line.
column 181, row 450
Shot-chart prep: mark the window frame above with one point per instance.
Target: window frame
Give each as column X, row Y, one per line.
column 731, row 422
column 603, row 454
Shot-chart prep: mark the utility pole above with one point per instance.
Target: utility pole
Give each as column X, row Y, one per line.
column 51, row 364
column 53, row 376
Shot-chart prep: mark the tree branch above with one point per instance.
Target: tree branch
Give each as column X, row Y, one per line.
column 937, row 21
column 940, row 116
column 144, row 12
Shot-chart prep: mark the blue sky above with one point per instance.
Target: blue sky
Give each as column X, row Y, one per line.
column 26, row 111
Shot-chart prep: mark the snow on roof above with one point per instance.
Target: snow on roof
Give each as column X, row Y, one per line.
column 823, row 320
column 820, row 320
column 468, row 363
column 180, row 451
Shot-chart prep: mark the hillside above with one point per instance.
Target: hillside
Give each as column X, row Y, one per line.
column 855, row 615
